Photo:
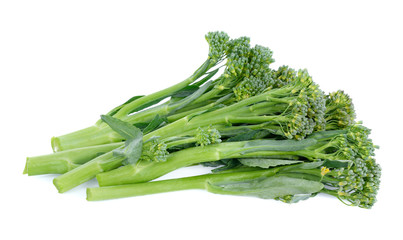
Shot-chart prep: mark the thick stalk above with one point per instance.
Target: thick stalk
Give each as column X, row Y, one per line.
column 145, row 171
column 87, row 171
column 62, row 162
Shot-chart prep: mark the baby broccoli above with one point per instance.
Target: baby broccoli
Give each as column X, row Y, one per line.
column 270, row 133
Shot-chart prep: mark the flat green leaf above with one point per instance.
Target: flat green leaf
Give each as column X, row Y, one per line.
column 227, row 164
column 212, row 164
column 267, row 188
column 185, row 101
column 154, row 124
column 337, row 163
column 305, row 165
column 206, row 78
column 132, row 150
column 266, row 162
column 141, row 125
column 124, row 129
column 323, row 135
column 186, row 91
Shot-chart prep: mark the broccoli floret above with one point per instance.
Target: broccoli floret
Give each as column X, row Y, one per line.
column 154, row 150
column 352, row 143
column 257, row 75
column 358, row 184
column 340, row 111
column 237, row 58
column 285, row 75
column 258, row 62
column 207, row 136
column 251, row 86
column 217, row 45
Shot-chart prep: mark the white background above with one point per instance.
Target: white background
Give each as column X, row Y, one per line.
column 63, row 63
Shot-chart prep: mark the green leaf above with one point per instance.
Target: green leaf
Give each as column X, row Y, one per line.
column 226, row 165
column 124, row 129
column 266, row 188
column 212, row 163
column 132, row 150
column 154, row 124
column 305, row 165
column 324, row 135
column 185, row 101
column 337, row 163
column 186, row 91
column 266, row 162
column 206, row 78
column 141, row 125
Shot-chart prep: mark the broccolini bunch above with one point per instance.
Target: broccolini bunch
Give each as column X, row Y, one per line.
column 271, row 133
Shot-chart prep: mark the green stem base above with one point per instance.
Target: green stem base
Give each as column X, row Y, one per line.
column 62, row 162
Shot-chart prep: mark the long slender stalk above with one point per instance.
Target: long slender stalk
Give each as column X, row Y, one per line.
column 195, row 182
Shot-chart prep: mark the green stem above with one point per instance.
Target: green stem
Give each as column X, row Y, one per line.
column 87, row 171
column 256, row 119
column 210, row 94
column 198, row 108
column 62, row 162
column 195, row 182
column 104, row 193
column 125, row 110
column 181, row 142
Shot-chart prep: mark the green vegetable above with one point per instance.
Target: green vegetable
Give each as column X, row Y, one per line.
column 269, row 133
